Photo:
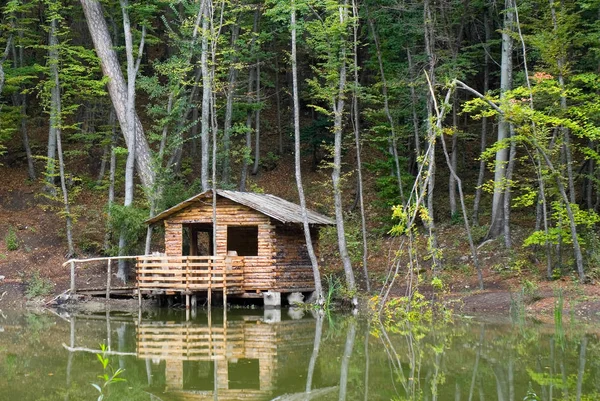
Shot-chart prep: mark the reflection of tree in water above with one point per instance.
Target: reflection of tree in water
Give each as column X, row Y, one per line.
column 478, row 361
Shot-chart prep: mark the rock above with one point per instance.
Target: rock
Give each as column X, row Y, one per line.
column 295, row 298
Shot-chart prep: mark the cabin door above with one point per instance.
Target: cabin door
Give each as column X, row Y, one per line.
column 197, row 240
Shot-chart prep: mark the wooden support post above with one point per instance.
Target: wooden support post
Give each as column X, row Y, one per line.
column 226, row 266
column 137, row 265
column 73, row 287
column 209, row 264
column 108, row 278
column 187, row 285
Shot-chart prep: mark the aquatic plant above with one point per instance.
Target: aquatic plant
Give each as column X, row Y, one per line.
column 108, row 376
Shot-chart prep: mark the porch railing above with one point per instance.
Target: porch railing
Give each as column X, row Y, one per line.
column 188, row 274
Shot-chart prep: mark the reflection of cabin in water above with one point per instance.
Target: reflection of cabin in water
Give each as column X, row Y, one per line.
column 260, row 246
column 238, row 359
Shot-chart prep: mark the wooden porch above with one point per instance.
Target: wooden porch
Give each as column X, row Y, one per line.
column 186, row 275
column 190, row 274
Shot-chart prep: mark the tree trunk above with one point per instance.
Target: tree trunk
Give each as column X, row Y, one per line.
column 130, row 115
column 56, row 122
column 54, row 116
column 338, row 111
column 297, row 168
column 251, row 79
column 429, row 221
column 497, row 223
column 357, row 143
column 206, row 93
column 257, row 122
column 484, row 120
column 117, row 89
column 2, row 60
column 415, row 116
column 231, row 89
column 20, row 100
column 507, row 192
column 278, row 105
column 111, row 176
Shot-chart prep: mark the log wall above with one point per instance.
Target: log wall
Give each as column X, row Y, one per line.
column 259, row 271
column 294, row 270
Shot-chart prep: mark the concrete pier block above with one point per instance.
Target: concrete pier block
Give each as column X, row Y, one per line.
column 272, row 299
column 272, row 316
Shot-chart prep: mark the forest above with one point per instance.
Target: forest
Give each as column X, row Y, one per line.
column 476, row 113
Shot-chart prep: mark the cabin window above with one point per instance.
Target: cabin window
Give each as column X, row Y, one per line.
column 197, row 240
column 244, row 374
column 243, row 240
column 198, row 375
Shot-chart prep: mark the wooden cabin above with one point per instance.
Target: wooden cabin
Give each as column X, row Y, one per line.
column 260, row 247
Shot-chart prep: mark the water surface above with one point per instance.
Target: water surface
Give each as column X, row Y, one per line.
column 266, row 355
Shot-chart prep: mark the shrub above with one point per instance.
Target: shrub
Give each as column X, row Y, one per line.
column 38, row 286
column 11, row 240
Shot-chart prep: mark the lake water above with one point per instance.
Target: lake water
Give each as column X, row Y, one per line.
column 266, row 355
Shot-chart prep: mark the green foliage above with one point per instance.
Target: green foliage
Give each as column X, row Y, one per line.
column 10, row 239
column 128, row 220
column 109, row 376
column 561, row 232
column 38, row 286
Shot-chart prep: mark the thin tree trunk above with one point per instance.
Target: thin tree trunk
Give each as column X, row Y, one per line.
column 295, row 97
column 507, row 192
column 54, row 116
column 357, row 143
column 130, row 115
column 206, row 93
column 231, row 89
column 2, row 60
column 251, row 78
column 338, row 111
column 111, row 175
column 484, row 119
column 497, row 222
column 257, row 122
column 315, row 352
column 56, row 122
column 386, row 108
column 431, row 138
column 581, row 368
column 278, row 105
column 345, row 367
column 22, row 99
column 165, row 130
column 453, row 160
column 439, row 121
column 415, row 116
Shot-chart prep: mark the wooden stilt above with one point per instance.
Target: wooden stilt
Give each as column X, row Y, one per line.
column 187, row 301
column 108, row 278
column 209, row 284
column 226, row 266
column 73, row 287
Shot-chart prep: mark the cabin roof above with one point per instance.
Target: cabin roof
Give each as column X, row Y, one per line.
column 270, row 205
